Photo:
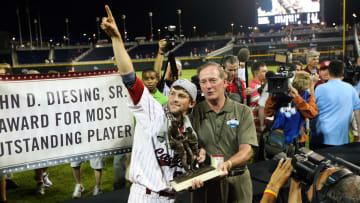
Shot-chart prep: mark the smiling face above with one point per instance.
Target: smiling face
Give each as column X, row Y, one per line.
column 179, row 101
column 212, row 85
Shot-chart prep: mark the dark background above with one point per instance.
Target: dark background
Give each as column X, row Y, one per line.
column 209, row 16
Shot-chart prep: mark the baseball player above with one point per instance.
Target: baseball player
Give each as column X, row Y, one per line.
column 153, row 164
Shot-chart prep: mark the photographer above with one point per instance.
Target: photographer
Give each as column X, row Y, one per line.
column 333, row 183
column 169, row 77
column 291, row 110
column 277, row 181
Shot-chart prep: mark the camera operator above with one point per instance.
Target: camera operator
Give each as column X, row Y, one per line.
column 333, row 183
column 169, row 77
column 291, row 110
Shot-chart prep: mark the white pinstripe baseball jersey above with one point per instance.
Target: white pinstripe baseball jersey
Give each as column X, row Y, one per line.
column 152, row 162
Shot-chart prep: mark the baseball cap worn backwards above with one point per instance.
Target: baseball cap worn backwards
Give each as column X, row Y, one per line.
column 186, row 85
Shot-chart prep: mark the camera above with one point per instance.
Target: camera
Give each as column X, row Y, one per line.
column 279, row 82
column 351, row 73
column 307, row 164
column 170, row 38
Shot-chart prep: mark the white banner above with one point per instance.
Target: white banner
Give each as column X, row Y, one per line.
column 48, row 120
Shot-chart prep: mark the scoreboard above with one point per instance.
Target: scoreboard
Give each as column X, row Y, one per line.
column 285, row 12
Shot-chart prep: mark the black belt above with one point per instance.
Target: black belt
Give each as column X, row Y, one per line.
column 237, row 171
column 161, row 193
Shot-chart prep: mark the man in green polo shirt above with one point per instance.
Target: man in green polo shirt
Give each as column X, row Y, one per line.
column 151, row 79
column 227, row 132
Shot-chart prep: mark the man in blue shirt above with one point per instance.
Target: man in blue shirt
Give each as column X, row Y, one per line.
column 336, row 101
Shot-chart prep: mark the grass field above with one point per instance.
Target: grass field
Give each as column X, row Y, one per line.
column 62, row 178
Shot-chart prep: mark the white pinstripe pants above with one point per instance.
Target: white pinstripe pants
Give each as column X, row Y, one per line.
column 138, row 195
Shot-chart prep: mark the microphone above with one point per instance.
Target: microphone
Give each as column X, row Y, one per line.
column 243, row 54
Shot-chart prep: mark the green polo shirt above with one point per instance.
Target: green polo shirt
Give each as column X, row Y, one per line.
column 222, row 133
column 162, row 99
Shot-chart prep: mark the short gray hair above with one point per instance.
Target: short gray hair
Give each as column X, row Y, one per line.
column 312, row 53
column 220, row 69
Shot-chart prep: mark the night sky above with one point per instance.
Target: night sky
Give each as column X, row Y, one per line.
column 206, row 15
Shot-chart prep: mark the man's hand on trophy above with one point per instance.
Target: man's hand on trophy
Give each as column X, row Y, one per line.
column 108, row 24
column 224, row 167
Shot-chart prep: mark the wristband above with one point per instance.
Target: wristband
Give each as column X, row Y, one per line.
column 271, row 193
column 230, row 164
column 271, row 188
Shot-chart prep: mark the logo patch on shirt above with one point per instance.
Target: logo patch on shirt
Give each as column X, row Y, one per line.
column 232, row 123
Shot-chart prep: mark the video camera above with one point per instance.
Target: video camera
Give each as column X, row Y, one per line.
column 170, row 38
column 351, row 73
column 279, row 82
column 308, row 165
column 170, row 45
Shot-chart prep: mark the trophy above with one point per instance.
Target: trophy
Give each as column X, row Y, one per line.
column 185, row 147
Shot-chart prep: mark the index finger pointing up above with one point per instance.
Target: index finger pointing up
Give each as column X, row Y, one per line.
column 108, row 11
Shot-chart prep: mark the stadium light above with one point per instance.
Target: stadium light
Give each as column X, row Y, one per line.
column 123, row 17
column 232, row 28
column 322, row 23
column 159, row 31
column 67, row 30
column 19, row 25
column 36, row 32
column 179, row 18
column 334, row 24
column 151, row 25
column 194, row 28
column 13, row 38
column 84, row 34
column 354, row 15
column 98, row 27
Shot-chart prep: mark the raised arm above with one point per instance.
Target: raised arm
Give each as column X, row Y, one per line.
column 160, row 57
column 122, row 58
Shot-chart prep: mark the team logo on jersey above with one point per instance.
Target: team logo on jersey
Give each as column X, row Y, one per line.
column 165, row 159
column 232, row 122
